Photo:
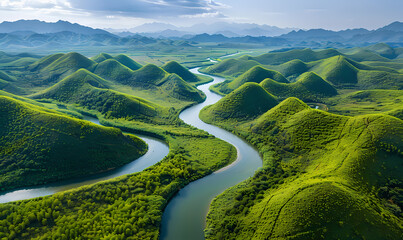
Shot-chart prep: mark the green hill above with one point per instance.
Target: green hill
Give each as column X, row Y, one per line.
column 292, row 68
column 248, row 101
column 337, row 70
column 128, row 62
column 176, row 87
column 255, row 74
column 113, row 70
column 230, row 67
column 148, row 76
column 310, row 87
column 184, row 73
column 366, row 102
column 88, row 90
column 55, row 67
column 101, row 57
column 383, row 49
column 325, row 176
column 39, row 147
column 4, row 76
column 361, row 54
column 305, row 55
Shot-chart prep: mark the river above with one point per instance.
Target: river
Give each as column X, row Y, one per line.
column 157, row 150
column 185, row 216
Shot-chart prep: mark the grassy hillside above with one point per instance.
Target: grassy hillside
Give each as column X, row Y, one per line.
column 324, row 177
column 366, row 102
column 128, row 62
column 255, row 74
column 176, row 87
column 184, row 73
column 339, row 69
column 101, row 57
column 305, row 55
column 113, row 70
column 309, row 87
column 88, row 90
column 247, row 101
column 40, row 146
column 230, row 67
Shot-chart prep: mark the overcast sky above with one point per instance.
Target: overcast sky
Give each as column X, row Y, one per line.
column 120, row 14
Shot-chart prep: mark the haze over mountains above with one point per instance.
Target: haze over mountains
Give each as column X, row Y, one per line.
column 35, row 34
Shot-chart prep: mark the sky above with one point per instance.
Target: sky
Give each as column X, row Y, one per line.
column 125, row 14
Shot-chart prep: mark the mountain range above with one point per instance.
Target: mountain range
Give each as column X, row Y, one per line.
column 61, row 35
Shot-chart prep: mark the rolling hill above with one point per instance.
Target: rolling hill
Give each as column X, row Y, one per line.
column 310, row 87
column 40, row 146
column 246, row 102
column 89, row 91
column 184, row 73
column 324, row 177
column 255, row 74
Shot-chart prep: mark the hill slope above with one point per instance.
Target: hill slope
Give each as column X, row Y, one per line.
column 87, row 90
column 255, row 74
column 184, row 73
column 324, row 177
column 38, row 146
column 309, row 87
column 248, row 101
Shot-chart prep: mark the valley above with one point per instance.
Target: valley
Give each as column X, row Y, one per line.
column 200, row 140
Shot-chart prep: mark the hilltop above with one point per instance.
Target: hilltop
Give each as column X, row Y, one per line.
column 184, row 73
column 89, row 91
column 309, row 87
column 248, row 101
column 321, row 171
column 255, row 74
column 26, row 152
column 338, row 69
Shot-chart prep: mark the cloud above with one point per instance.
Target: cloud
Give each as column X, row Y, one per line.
column 147, row 8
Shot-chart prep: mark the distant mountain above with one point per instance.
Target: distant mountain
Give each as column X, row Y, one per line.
column 227, row 29
column 395, row 27
column 392, row 33
column 48, row 27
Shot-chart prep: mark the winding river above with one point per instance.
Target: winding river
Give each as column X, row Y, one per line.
column 157, row 150
column 184, row 217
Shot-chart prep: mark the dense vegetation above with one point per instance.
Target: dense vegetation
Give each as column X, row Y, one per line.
column 325, row 176
column 309, row 87
column 128, row 207
column 39, row 146
column 256, row 74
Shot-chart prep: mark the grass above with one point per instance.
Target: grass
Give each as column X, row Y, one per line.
column 256, row 74
column 247, row 101
column 339, row 70
column 136, row 201
column 366, row 102
column 310, row 87
column 29, row 158
column 321, row 177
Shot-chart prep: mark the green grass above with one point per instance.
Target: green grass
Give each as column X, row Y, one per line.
column 256, row 74
column 305, row 55
column 247, row 101
column 230, row 67
column 184, row 73
column 321, row 178
column 88, row 90
column 101, row 57
column 128, row 62
column 310, row 87
column 366, row 102
column 339, row 70
column 36, row 146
